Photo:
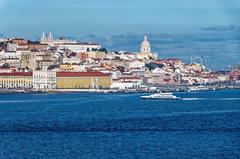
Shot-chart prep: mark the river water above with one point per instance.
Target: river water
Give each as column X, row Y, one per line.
column 90, row 125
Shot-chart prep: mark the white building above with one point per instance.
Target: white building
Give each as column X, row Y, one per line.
column 125, row 83
column 110, row 55
column 11, row 55
column 124, row 56
column 136, row 64
column 44, row 80
column 4, row 40
column 12, row 47
column 116, row 74
column 223, row 77
column 51, row 41
column 71, row 60
column 132, row 56
column 71, row 45
column 78, row 47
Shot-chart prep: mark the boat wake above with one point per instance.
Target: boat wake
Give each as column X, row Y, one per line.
column 219, row 99
column 195, row 98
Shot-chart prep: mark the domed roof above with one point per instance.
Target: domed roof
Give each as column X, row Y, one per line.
column 145, row 45
column 145, row 42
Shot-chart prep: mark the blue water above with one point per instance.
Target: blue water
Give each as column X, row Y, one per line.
column 87, row 125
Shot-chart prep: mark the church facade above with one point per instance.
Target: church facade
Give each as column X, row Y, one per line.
column 145, row 50
column 49, row 40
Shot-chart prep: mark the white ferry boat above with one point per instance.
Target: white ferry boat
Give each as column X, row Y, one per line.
column 161, row 96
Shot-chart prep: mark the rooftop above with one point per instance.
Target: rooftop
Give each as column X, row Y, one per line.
column 81, row 74
column 16, row 74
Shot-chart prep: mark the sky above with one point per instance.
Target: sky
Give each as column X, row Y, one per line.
column 111, row 17
column 176, row 28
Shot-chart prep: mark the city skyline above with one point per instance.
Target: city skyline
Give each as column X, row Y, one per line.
column 206, row 28
column 212, row 43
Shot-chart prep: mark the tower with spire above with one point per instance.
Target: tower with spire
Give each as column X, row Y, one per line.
column 47, row 39
column 50, row 37
column 43, row 37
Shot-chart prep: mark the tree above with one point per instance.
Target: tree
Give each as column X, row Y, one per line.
column 151, row 66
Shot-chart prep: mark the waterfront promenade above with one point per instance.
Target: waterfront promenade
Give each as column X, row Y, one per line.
column 149, row 89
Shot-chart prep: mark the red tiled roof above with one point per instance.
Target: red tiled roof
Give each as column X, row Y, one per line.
column 81, row 74
column 44, row 61
column 235, row 73
column 16, row 74
column 22, row 49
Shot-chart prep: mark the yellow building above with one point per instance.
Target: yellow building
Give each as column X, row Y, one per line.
column 16, row 80
column 70, row 67
column 83, row 80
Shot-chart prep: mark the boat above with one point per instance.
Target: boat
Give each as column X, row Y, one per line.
column 161, row 96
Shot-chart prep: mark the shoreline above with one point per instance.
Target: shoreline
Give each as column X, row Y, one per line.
column 159, row 89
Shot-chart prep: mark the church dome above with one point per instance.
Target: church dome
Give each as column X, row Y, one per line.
column 145, row 45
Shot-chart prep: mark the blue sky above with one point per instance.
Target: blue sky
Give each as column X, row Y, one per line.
column 111, row 17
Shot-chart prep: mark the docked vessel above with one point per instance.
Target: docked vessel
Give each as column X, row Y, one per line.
column 161, row 96
column 198, row 88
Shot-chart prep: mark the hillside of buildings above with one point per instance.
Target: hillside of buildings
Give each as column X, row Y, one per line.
column 64, row 64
